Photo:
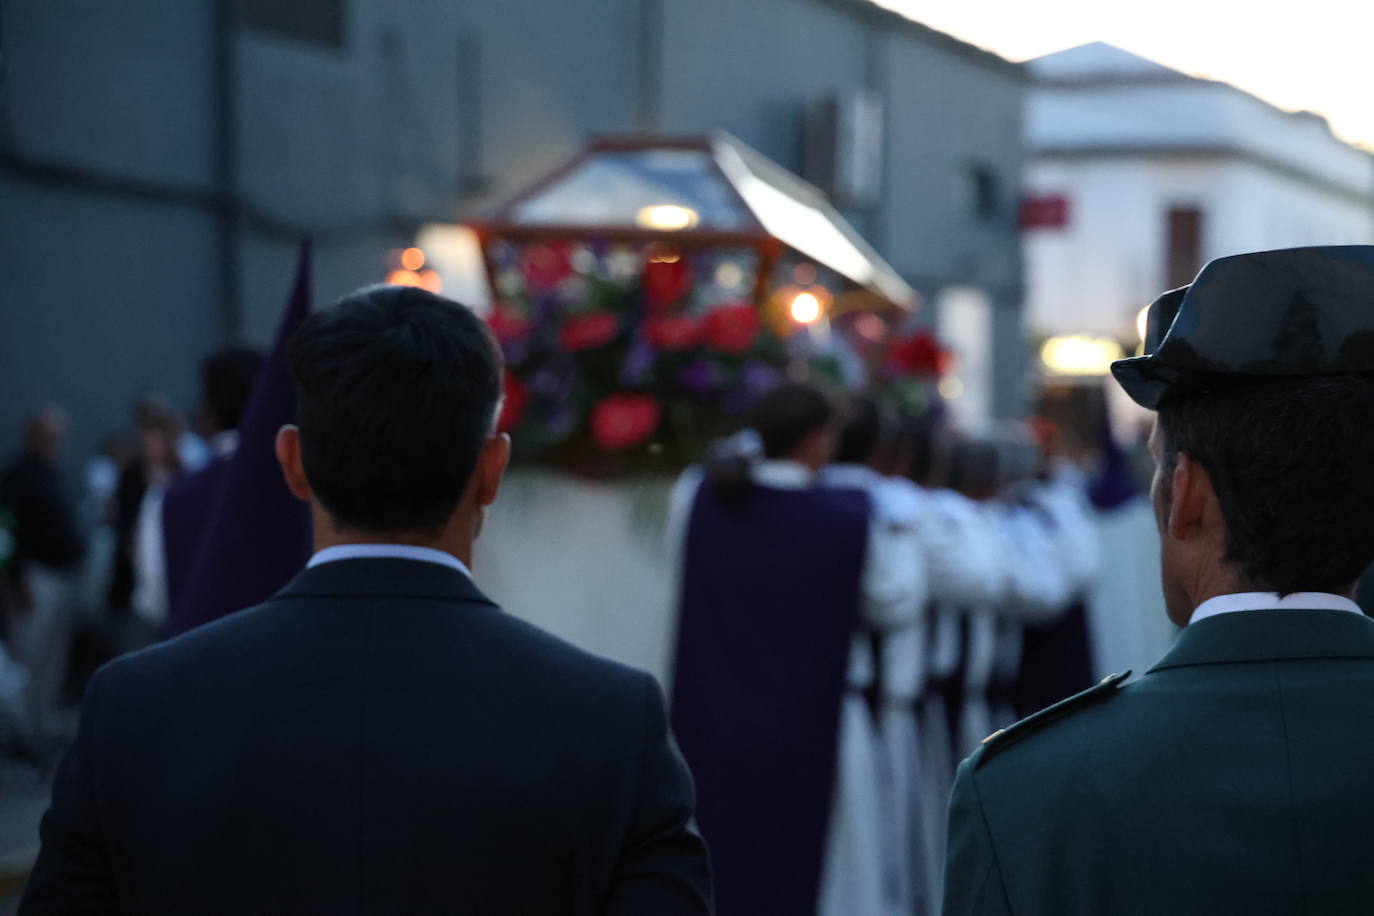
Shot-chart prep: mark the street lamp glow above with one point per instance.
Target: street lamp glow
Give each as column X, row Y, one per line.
column 666, row 217
column 412, row 259
column 1079, row 354
column 806, row 308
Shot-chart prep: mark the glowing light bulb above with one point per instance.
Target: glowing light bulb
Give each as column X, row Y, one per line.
column 806, row 308
column 666, row 217
column 412, row 259
column 951, row 388
column 1079, row 354
column 403, row 278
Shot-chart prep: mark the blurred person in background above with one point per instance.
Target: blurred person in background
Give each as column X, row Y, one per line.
column 138, row 583
column 770, row 597
column 867, row 864
column 48, row 550
column 227, row 378
column 102, row 475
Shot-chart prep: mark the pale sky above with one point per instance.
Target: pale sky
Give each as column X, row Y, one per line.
column 1313, row 54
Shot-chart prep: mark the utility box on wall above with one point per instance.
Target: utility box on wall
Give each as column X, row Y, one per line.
column 842, row 148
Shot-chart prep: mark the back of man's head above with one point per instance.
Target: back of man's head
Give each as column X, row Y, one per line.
column 790, row 415
column 397, row 392
column 227, row 378
column 1289, row 463
column 863, row 432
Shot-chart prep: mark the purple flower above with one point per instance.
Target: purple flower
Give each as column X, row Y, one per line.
column 561, row 423
column 515, row 351
column 700, row 377
column 757, row 377
column 634, row 370
column 547, row 308
column 554, row 380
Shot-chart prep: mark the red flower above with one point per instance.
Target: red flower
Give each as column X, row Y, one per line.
column 516, row 398
column 594, row 330
column 545, row 266
column 672, row 332
column 507, row 326
column 666, row 280
column 623, row 420
column 919, row 354
column 732, row 328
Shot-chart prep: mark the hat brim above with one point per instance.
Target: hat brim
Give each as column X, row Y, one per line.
column 1140, row 377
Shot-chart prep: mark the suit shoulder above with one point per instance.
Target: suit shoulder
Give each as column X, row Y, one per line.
column 1048, row 719
column 554, row 650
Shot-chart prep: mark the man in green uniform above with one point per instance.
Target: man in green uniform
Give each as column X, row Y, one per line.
column 1237, row 775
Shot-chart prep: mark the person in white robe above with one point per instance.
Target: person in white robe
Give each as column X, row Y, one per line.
column 877, row 757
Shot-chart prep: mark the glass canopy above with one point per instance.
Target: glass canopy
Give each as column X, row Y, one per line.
column 698, row 190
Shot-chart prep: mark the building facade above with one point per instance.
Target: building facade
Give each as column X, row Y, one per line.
column 1140, row 174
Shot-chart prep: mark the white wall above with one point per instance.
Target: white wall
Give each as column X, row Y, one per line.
column 1095, row 274
column 1124, row 139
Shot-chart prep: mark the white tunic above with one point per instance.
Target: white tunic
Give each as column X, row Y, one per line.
column 895, row 594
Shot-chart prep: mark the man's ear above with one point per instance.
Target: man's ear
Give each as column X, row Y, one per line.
column 292, row 467
column 491, row 465
column 1191, row 500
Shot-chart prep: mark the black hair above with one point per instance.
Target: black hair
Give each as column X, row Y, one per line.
column 227, row 378
column 783, row 418
column 1289, row 462
column 787, row 414
column 397, row 390
column 925, row 441
column 976, row 467
column 867, row 432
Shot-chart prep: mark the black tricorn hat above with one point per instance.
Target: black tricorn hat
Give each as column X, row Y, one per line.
column 1292, row 313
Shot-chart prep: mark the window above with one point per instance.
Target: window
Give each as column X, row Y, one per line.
column 983, row 191
column 1182, row 246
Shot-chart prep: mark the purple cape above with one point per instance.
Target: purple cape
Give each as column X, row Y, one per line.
column 770, row 598
column 258, row 535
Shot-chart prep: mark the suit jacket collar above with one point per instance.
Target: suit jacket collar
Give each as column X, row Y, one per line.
column 1271, row 635
column 383, row 577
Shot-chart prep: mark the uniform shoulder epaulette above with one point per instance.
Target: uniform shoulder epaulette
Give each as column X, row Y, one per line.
column 1004, row 737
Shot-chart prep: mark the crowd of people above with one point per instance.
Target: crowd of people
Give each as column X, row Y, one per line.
column 89, row 573
column 863, row 600
column 859, row 596
column 944, row 580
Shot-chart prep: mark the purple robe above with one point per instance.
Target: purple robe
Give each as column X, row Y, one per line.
column 258, row 534
column 770, row 597
column 186, row 509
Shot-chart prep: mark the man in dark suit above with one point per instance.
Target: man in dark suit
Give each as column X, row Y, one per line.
column 378, row 737
column 1234, row 776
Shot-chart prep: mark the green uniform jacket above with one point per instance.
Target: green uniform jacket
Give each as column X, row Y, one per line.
column 1236, row 777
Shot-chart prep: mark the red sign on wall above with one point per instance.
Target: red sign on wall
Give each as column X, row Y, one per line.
column 1045, row 211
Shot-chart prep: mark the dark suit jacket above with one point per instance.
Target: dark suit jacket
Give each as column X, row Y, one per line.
column 1234, row 777
column 376, row 738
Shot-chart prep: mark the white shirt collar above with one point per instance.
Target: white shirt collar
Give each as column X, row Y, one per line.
column 1270, row 601
column 782, row 475
column 390, row 551
column 854, row 475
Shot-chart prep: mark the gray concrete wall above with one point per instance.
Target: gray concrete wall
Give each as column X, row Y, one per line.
column 108, row 258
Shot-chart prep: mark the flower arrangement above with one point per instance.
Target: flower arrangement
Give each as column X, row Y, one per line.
column 907, row 373
column 623, row 357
